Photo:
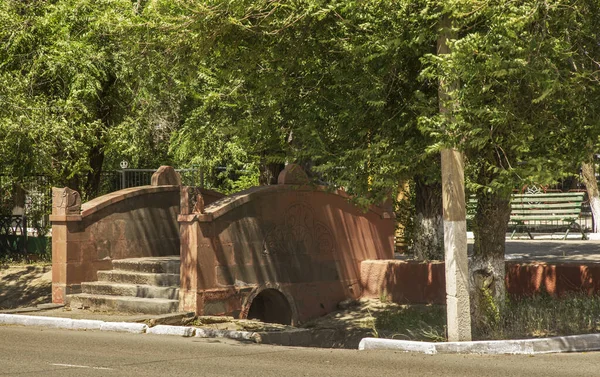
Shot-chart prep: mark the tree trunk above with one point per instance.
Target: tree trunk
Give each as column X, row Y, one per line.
column 19, row 197
column 487, row 269
column 269, row 172
column 92, row 182
column 588, row 172
column 428, row 242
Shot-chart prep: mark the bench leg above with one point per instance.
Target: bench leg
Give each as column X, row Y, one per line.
column 579, row 228
column 520, row 226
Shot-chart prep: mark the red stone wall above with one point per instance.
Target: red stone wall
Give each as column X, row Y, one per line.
column 404, row 282
column 554, row 279
column 424, row 283
column 303, row 241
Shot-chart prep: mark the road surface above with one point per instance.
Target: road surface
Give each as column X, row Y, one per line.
column 31, row 351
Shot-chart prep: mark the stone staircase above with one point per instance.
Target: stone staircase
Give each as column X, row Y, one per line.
column 137, row 285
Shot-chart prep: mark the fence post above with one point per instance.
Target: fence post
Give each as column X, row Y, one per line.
column 122, row 179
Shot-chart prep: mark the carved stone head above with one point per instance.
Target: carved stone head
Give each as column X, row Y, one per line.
column 192, row 200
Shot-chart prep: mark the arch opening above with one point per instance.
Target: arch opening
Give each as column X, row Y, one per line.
column 271, row 306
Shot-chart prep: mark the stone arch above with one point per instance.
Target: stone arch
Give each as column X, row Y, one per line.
column 269, row 304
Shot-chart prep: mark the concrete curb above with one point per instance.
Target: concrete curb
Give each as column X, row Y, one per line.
column 73, row 324
column 230, row 334
column 136, row 328
column 572, row 343
column 171, row 330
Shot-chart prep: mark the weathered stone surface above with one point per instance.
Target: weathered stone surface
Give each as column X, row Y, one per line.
column 399, row 281
column 416, row 282
column 304, row 243
column 65, row 201
column 292, row 175
column 166, row 176
column 192, row 200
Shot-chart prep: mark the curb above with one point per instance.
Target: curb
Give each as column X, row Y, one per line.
column 171, row 330
column 140, row 328
column 135, row 328
column 571, row 343
column 231, row 334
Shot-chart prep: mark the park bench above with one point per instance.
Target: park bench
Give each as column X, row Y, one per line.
column 542, row 210
column 529, row 211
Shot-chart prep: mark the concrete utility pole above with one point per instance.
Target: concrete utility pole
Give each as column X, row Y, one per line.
column 455, row 225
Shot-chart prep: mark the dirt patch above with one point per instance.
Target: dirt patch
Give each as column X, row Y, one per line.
column 375, row 318
column 25, row 286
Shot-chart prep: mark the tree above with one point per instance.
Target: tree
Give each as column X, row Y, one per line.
column 73, row 91
column 588, row 172
column 512, row 115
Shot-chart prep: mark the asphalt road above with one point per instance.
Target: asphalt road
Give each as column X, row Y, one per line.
column 29, row 351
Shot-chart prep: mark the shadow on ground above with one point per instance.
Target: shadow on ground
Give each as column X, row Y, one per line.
column 25, row 286
column 374, row 318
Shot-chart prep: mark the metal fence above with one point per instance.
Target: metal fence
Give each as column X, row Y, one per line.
column 13, row 235
column 36, row 204
column 115, row 180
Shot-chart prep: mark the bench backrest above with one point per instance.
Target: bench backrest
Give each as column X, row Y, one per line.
column 551, row 206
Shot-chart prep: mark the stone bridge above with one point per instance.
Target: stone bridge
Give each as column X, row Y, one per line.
column 284, row 253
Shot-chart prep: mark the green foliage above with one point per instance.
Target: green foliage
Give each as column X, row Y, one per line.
column 71, row 89
column 346, row 87
column 332, row 83
column 527, row 95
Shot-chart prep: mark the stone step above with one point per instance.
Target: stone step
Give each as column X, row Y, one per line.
column 123, row 304
column 160, row 265
column 132, row 290
column 141, row 278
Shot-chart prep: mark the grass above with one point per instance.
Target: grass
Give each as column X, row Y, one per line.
column 528, row 317
column 413, row 322
column 544, row 316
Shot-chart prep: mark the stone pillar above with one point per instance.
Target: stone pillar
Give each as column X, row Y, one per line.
column 188, row 291
column 66, row 249
column 166, row 176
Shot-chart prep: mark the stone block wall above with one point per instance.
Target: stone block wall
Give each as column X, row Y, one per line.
column 524, row 279
column 292, row 238
column 404, row 282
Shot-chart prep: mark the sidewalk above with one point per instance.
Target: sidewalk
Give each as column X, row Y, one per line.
column 552, row 251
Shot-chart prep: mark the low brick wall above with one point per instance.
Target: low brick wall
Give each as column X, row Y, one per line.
column 404, row 282
column 552, row 278
column 416, row 282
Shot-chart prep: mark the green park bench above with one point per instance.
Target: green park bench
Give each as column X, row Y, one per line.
column 534, row 211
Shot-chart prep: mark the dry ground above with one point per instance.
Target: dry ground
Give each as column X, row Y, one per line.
column 25, row 286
